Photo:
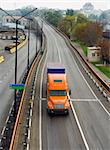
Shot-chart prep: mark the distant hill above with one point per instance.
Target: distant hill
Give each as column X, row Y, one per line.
column 18, row 12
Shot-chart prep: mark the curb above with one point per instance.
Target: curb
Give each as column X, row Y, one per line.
column 19, row 46
column 2, row 59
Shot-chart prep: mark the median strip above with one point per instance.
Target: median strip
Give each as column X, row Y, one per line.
column 2, row 59
column 12, row 50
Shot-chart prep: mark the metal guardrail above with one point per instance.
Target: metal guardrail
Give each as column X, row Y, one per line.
column 36, row 61
column 104, row 85
column 7, row 131
column 21, row 105
column 9, row 124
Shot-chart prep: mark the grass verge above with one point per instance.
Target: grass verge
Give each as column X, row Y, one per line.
column 104, row 69
column 84, row 47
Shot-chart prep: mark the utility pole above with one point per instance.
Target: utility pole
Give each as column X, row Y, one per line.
column 28, row 64
column 16, row 20
column 41, row 33
column 36, row 35
column 15, row 93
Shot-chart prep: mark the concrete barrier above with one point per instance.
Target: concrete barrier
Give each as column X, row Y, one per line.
column 2, row 59
column 12, row 50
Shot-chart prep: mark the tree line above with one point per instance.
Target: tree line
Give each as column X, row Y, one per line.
column 75, row 25
column 80, row 28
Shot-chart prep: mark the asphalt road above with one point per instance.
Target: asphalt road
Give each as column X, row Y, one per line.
column 7, row 76
column 4, row 43
column 60, row 132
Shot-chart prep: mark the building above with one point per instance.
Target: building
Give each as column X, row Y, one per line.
column 13, row 25
column 94, row 54
column 8, row 19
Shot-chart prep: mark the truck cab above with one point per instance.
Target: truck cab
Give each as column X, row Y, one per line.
column 57, row 91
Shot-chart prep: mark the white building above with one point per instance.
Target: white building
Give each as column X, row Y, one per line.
column 8, row 19
column 94, row 54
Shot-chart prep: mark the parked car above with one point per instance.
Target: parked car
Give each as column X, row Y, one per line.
column 18, row 42
column 3, row 37
column 8, row 47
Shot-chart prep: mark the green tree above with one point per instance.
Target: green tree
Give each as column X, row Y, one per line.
column 105, row 49
column 69, row 12
column 52, row 16
column 80, row 18
column 66, row 24
column 88, row 33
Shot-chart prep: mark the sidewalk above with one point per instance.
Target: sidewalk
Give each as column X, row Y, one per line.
column 101, row 74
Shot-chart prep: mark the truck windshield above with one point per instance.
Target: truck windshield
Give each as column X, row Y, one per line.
column 57, row 93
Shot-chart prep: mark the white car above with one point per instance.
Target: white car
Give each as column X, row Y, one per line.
column 3, row 37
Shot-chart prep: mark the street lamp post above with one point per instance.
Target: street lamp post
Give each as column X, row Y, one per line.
column 16, row 67
column 29, row 28
column 36, row 36
column 16, row 20
column 41, row 32
column 28, row 47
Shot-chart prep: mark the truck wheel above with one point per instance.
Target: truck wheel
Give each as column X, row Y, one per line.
column 50, row 113
column 46, row 92
column 67, row 112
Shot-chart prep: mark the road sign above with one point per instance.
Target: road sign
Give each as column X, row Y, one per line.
column 17, row 86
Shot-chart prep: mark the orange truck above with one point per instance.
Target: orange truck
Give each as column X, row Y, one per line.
column 57, row 89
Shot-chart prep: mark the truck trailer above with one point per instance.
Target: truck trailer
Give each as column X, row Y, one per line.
column 57, row 89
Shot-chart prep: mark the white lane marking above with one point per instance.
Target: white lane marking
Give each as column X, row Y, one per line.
column 58, row 50
column 43, row 99
column 29, row 134
column 40, row 126
column 56, row 45
column 2, row 132
column 40, row 139
column 75, row 100
column 40, row 106
column 85, row 142
column 42, row 77
column 79, row 126
column 40, row 119
column 89, row 85
column 84, row 100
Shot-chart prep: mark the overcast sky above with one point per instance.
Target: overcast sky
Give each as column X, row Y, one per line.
column 61, row 4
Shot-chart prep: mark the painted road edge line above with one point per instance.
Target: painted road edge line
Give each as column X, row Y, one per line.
column 31, row 110
column 89, row 85
column 40, row 107
column 79, row 126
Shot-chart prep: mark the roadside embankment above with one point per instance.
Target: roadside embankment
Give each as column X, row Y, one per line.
column 98, row 71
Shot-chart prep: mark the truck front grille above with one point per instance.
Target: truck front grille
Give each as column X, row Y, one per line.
column 59, row 106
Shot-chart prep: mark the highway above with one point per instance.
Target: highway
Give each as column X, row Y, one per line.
column 7, row 76
column 87, row 126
